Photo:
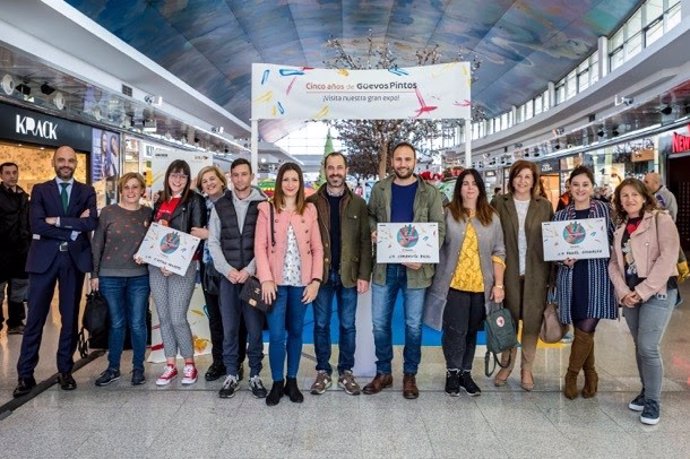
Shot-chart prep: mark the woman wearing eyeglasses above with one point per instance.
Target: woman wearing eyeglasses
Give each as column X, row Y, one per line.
column 183, row 209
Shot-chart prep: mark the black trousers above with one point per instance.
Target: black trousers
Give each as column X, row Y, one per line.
column 215, row 323
column 462, row 319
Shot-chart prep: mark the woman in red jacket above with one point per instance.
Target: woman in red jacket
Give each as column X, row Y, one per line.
column 289, row 263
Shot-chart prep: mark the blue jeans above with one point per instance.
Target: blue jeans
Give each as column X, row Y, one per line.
column 285, row 323
column 382, row 304
column 128, row 300
column 647, row 323
column 346, row 300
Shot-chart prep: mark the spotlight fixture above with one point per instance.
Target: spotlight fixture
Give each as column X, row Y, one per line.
column 153, row 100
column 601, row 133
column 59, row 100
column 23, row 88
column 667, row 110
column 7, row 84
column 47, row 89
column 615, row 133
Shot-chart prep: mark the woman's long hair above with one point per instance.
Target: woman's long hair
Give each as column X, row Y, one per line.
column 279, row 196
column 650, row 203
column 456, row 206
column 180, row 166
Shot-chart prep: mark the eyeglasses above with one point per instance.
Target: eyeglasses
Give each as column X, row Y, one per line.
column 178, row 175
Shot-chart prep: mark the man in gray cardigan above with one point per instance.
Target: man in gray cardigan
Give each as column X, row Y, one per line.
column 401, row 198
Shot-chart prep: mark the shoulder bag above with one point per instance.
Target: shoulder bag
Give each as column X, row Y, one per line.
column 251, row 290
column 552, row 330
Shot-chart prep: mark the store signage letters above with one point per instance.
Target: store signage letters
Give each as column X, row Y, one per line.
column 681, row 143
column 26, row 125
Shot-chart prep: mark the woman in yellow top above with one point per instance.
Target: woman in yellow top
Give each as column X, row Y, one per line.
column 468, row 277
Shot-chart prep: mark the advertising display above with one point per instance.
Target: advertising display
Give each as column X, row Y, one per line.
column 579, row 239
column 162, row 158
column 407, row 243
column 433, row 92
column 168, row 248
column 105, row 165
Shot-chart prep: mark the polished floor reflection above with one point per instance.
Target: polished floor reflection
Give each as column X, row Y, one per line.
column 125, row 421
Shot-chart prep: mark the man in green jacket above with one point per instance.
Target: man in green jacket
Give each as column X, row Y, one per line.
column 401, row 198
column 344, row 226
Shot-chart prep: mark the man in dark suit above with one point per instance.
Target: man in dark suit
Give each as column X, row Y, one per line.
column 62, row 213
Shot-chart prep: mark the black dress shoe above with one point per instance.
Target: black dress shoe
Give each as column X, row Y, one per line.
column 215, row 371
column 66, row 381
column 24, row 387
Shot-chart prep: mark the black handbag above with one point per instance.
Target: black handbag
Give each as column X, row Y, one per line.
column 501, row 336
column 210, row 281
column 95, row 321
column 251, row 294
column 251, row 290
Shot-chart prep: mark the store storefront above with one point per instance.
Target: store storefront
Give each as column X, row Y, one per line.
column 29, row 138
column 674, row 151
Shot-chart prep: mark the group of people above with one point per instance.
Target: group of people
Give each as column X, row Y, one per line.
column 310, row 251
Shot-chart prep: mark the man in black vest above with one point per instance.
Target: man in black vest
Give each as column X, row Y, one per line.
column 231, row 244
column 344, row 225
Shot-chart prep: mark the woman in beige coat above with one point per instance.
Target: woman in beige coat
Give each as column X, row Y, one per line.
column 522, row 212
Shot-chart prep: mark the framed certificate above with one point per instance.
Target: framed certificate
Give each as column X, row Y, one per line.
column 407, row 243
column 579, row 239
column 168, row 248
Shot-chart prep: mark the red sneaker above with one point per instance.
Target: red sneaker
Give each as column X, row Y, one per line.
column 168, row 375
column 190, row 374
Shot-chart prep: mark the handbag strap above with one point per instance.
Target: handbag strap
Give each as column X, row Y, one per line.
column 273, row 231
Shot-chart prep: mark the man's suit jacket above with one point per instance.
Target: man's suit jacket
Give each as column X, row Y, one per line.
column 46, row 202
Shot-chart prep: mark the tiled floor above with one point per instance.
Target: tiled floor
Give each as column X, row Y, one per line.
column 146, row 421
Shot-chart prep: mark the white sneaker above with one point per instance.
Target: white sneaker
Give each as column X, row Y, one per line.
column 190, row 374
column 168, row 375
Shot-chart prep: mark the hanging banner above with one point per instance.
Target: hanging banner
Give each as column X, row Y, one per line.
column 299, row 93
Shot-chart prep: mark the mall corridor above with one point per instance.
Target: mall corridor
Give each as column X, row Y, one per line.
column 146, row 421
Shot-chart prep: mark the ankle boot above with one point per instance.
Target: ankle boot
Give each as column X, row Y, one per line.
column 292, row 391
column 581, row 347
column 591, row 376
column 276, row 393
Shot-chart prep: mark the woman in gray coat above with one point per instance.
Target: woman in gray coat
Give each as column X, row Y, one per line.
column 468, row 276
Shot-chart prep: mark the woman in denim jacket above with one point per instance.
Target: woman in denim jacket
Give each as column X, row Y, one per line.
column 289, row 265
column 643, row 271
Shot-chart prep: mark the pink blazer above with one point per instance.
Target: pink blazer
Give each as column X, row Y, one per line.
column 655, row 246
column 270, row 259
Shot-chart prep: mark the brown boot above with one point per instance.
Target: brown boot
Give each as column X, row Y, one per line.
column 591, row 376
column 508, row 361
column 410, row 390
column 581, row 347
column 380, row 382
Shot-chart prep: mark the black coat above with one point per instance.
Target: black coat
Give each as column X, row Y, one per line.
column 190, row 213
column 15, row 233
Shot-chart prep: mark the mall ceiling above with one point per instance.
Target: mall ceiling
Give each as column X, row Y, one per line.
column 211, row 44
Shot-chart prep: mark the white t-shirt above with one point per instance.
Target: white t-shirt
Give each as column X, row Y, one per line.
column 521, row 209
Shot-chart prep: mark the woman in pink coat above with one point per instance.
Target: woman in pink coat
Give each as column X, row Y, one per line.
column 644, row 275
column 289, row 262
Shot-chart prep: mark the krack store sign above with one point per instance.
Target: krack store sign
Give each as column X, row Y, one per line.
column 23, row 125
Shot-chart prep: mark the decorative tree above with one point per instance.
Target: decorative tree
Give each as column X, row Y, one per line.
column 327, row 150
column 368, row 142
